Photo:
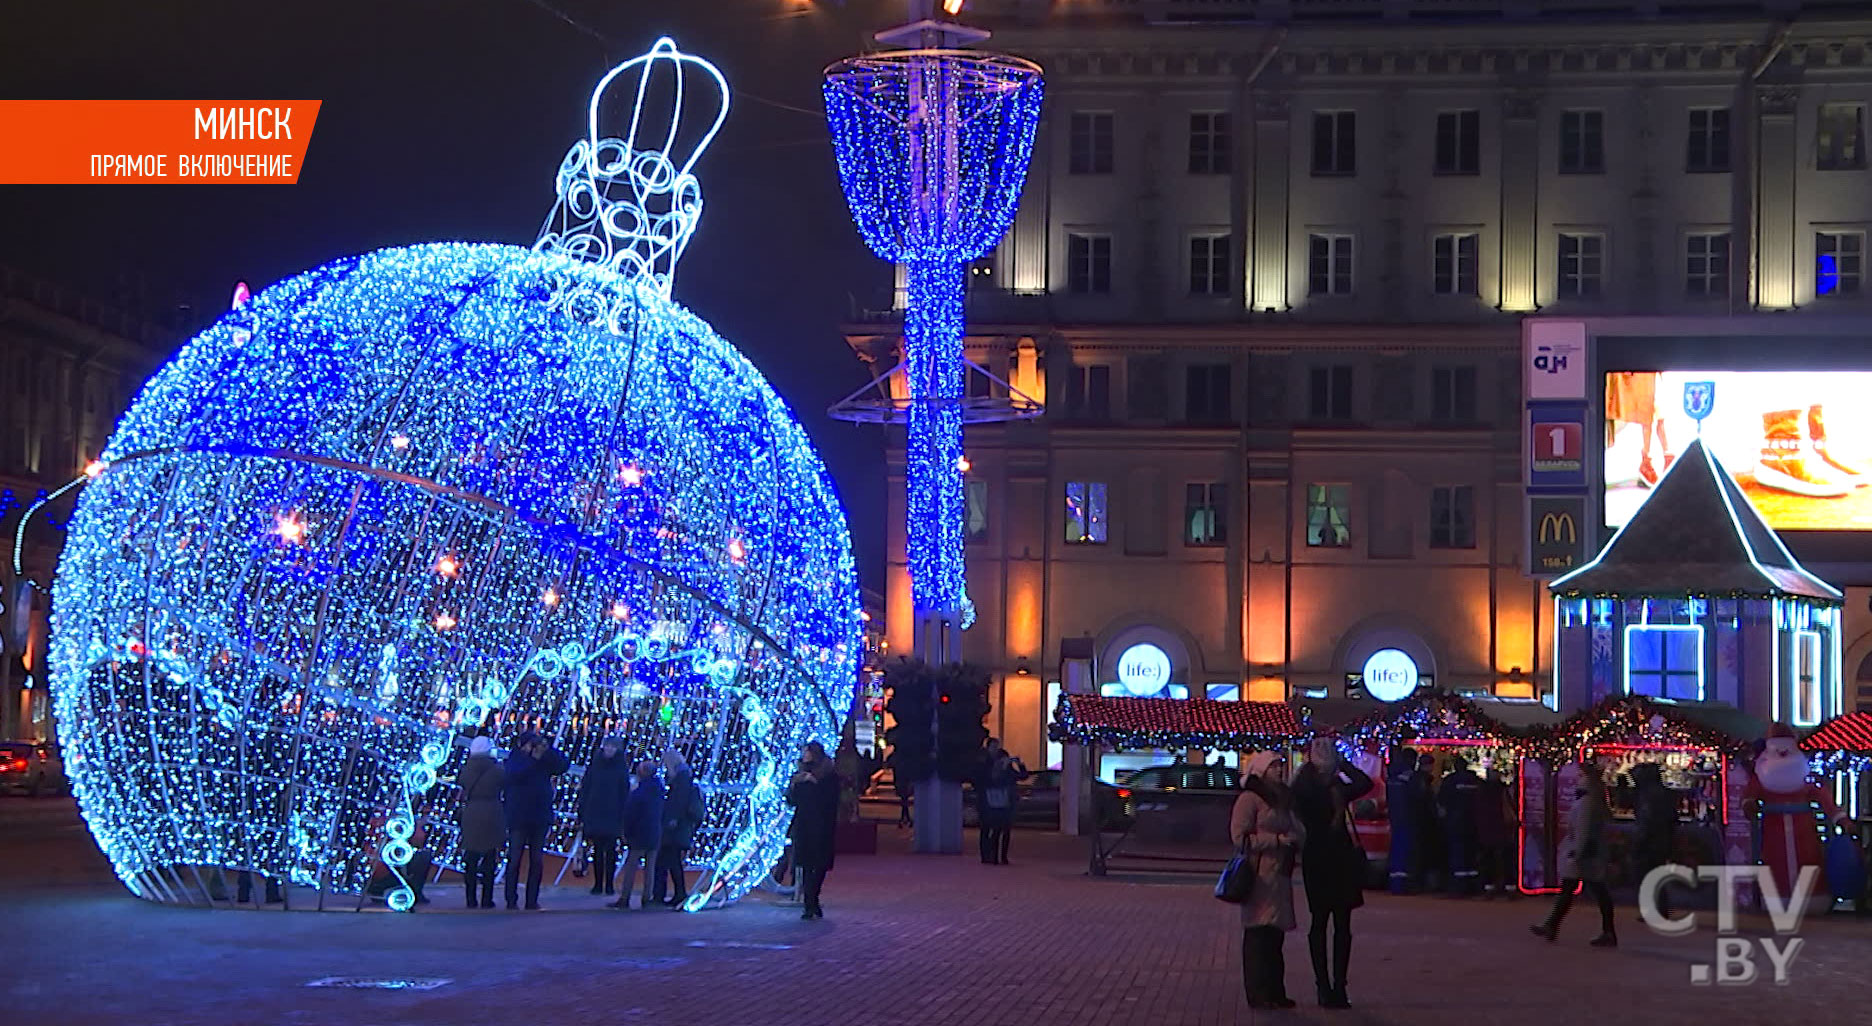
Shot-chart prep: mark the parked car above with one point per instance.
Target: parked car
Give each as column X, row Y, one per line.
column 1176, row 777
column 31, row 768
column 1040, row 800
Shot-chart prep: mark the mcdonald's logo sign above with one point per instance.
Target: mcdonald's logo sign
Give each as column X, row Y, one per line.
column 1555, row 534
column 1556, row 526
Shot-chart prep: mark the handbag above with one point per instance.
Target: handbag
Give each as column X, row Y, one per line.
column 1238, row 878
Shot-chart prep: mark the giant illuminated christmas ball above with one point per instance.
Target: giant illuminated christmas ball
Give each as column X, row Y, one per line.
column 430, row 492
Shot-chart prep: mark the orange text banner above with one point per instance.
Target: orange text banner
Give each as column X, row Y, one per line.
column 154, row 142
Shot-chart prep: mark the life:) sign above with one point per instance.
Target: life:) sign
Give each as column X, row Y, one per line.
column 1144, row 669
column 1389, row 675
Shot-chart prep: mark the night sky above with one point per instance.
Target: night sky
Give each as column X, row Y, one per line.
column 445, row 120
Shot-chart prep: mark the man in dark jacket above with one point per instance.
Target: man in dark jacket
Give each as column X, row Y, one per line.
column 527, row 799
column 1403, row 794
column 643, row 832
column 1457, row 799
column 814, row 794
column 682, row 814
column 601, row 810
column 1495, row 823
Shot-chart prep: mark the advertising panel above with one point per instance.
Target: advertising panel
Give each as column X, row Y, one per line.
column 1799, row 443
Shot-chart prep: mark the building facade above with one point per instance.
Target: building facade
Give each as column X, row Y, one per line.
column 68, row 368
column 1269, row 276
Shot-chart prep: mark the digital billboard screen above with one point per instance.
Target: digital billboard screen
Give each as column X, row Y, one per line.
column 1798, row 442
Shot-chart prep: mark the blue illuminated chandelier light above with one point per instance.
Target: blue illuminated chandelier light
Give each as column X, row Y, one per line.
column 933, row 145
column 441, row 490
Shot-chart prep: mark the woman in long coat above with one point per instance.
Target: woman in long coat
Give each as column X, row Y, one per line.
column 483, row 830
column 1583, row 858
column 814, row 795
column 1265, row 829
column 1332, row 863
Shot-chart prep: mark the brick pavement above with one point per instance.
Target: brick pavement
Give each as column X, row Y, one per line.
column 908, row 941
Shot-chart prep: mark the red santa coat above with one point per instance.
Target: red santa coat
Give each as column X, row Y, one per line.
column 1790, row 832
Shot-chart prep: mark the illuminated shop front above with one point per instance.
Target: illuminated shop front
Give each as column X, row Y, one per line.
column 1144, row 661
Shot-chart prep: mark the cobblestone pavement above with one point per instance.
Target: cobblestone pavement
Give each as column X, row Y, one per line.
column 931, row 941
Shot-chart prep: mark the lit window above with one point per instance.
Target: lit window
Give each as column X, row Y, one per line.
column 1664, row 661
column 1205, row 513
column 1809, row 696
column 1329, row 516
column 1085, row 513
column 977, row 529
column 1839, row 263
column 1839, row 137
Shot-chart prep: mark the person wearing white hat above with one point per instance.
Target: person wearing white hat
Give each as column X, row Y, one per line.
column 1264, row 827
column 483, row 832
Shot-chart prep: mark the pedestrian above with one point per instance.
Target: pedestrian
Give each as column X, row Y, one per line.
column 814, row 794
column 1655, row 813
column 243, row 884
column 1431, row 854
column 1583, row 858
column 1265, row 829
column 1495, row 825
column 1403, row 794
column 643, row 833
column 683, row 813
column 601, row 810
column 1456, row 799
column 482, row 830
column 997, row 790
column 527, row 798
column 1332, row 862
column 906, row 793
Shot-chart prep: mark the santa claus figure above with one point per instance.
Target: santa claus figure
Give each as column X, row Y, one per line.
column 1781, row 794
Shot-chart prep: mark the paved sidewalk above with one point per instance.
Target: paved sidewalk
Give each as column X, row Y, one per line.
column 929, row 941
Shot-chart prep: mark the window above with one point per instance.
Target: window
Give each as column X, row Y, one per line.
column 1707, row 151
column 1147, row 387
column 1453, row 395
column 1205, row 513
column 1328, row 516
column 1206, row 393
column 1706, row 264
column 1335, row 142
column 1088, row 391
column 1088, row 264
column 1839, row 140
column 1329, row 265
column 1085, row 513
column 1664, row 661
column 1809, row 696
column 1209, row 265
column 1209, row 143
column 977, row 527
column 1452, row 517
column 1839, row 263
column 1329, row 395
column 1582, row 142
column 1090, row 143
column 1582, row 265
column 1453, row 258
column 1458, row 142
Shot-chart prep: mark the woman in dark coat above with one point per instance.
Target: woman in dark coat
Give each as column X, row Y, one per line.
column 483, row 830
column 601, row 810
column 1331, row 862
column 1583, row 858
column 814, row 795
column 643, row 832
column 683, row 812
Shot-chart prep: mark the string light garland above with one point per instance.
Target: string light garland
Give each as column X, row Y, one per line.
column 432, row 492
column 933, row 148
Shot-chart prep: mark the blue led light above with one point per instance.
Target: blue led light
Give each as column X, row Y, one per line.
column 432, row 491
column 932, row 149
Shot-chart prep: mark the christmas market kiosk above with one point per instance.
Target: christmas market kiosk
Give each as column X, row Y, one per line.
column 1178, row 822
column 1691, row 632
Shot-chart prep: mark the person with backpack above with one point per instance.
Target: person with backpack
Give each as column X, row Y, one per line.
column 997, row 792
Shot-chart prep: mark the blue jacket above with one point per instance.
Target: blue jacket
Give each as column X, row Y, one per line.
column 527, row 792
column 643, row 815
